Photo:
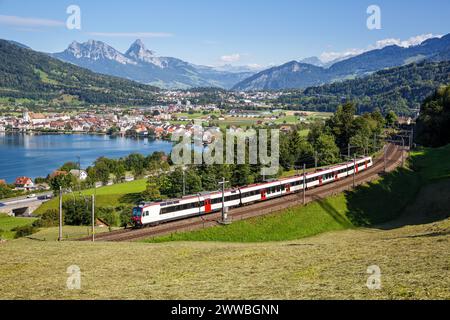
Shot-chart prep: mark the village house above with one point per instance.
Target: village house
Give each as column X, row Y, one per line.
column 35, row 118
column 286, row 129
column 80, row 174
column 58, row 173
column 24, row 183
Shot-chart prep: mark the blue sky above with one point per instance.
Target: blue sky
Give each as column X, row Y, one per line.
column 214, row 32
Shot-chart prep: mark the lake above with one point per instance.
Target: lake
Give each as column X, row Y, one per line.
column 38, row 155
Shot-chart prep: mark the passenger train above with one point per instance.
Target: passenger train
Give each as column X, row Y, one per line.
column 196, row 205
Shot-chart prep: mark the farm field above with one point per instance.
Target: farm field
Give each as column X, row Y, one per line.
column 414, row 262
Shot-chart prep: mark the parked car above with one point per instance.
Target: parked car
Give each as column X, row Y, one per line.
column 45, row 197
column 31, row 196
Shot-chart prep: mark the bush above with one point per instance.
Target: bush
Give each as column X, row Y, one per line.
column 125, row 215
column 24, row 231
column 49, row 218
column 109, row 215
column 77, row 212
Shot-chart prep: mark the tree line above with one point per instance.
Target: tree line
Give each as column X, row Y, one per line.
column 433, row 124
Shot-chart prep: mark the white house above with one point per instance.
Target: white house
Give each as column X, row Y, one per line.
column 80, row 174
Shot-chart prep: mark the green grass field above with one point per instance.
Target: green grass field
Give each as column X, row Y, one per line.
column 68, row 233
column 414, row 262
column 395, row 191
column 8, row 223
column 123, row 193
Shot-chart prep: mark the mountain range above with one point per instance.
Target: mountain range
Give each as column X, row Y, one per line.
column 141, row 64
column 25, row 73
column 296, row 74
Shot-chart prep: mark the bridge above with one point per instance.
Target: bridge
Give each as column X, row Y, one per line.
column 23, row 207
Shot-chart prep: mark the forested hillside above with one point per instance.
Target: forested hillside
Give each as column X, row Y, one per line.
column 433, row 124
column 28, row 74
column 399, row 89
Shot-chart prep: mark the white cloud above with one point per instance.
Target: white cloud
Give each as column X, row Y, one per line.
column 29, row 22
column 231, row 58
column 413, row 41
column 131, row 34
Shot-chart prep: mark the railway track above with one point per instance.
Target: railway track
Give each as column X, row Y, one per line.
column 393, row 156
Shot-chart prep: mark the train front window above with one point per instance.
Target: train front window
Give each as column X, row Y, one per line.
column 137, row 212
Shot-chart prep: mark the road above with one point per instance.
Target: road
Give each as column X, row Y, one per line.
column 9, row 205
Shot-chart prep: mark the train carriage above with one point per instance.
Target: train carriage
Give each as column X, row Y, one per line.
column 260, row 192
column 213, row 201
column 152, row 213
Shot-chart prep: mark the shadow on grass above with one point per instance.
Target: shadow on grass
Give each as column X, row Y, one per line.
column 130, row 198
column 387, row 199
column 332, row 212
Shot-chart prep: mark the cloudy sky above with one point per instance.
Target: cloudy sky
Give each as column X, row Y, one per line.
column 217, row 32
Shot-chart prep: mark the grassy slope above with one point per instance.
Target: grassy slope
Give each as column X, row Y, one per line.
column 68, row 232
column 414, row 262
column 7, row 223
column 123, row 193
column 392, row 194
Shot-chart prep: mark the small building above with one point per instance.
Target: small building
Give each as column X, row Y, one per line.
column 58, row 173
column 42, row 186
column 24, row 183
column 80, row 174
column 286, row 129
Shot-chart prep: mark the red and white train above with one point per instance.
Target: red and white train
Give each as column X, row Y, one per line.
column 201, row 204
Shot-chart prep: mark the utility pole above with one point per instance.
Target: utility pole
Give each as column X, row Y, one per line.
column 348, row 155
column 403, row 154
column 354, row 173
column 79, row 174
column 374, row 142
column 316, row 155
column 224, row 214
column 60, row 215
column 93, row 218
column 184, row 183
column 304, row 184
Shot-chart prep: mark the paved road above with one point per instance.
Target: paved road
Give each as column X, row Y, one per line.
column 10, row 200
column 7, row 205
